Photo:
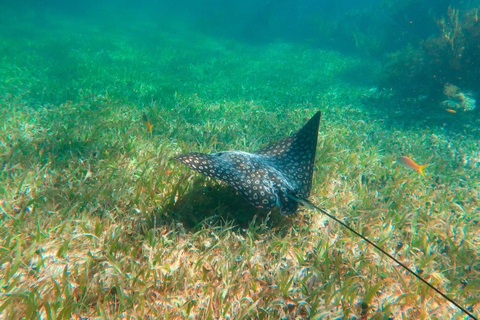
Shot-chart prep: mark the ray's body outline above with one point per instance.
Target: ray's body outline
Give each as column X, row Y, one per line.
column 266, row 177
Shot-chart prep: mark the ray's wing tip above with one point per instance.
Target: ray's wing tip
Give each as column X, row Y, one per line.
column 186, row 156
column 181, row 157
column 176, row 158
column 314, row 120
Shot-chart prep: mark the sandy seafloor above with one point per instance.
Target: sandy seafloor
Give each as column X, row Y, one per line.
column 97, row 223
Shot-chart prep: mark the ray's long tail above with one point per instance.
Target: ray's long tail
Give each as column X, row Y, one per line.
column 310, row 205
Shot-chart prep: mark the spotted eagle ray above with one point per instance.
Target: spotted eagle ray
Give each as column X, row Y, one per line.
column 279, row 174
column 273, row 176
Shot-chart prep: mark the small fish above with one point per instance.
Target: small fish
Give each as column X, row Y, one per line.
column 148, row 124
column 409, row 163
column 450, row 110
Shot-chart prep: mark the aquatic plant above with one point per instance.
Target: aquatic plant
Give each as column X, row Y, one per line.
column 452, row 55
column 456, row 99
column 461, row 34
column 97, row 223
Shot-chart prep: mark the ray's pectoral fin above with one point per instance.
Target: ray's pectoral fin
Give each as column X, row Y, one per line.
column 208, row 164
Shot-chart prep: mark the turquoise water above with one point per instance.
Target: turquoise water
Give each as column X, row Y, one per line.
column 88, row 188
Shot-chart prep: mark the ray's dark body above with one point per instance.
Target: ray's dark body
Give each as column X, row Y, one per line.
column 268, row 176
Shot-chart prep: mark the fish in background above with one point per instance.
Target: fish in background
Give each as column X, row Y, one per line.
column 409, row 163
column 148, row 124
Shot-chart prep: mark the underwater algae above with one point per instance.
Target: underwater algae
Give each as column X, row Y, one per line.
column 86, row 230
column 448, row 57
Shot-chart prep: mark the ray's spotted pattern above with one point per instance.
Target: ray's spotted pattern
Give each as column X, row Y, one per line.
column 270, row 176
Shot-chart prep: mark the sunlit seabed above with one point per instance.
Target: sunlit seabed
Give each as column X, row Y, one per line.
column 97, row 222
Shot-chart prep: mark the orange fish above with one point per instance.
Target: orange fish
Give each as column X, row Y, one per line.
column 451, row 110
column 148, row 124
column 409, row 163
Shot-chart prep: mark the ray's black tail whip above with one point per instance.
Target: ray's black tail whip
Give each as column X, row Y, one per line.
column 310, row 205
